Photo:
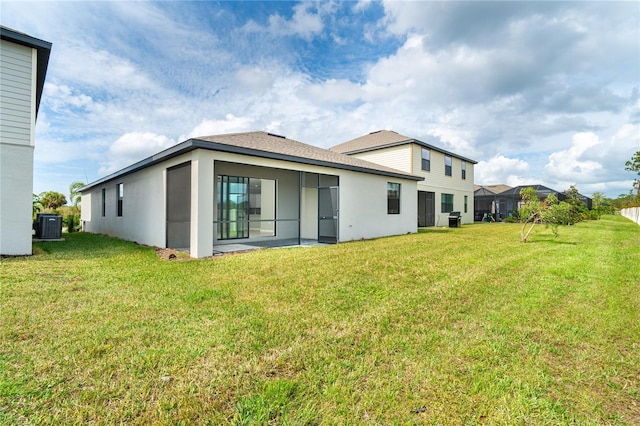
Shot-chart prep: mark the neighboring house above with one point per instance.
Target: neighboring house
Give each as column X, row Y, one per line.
column 486, row 201
column 253, row 187
column 502, row 201
column 448, row 177
column 23, row 67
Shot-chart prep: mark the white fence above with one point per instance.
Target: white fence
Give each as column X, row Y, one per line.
column 632, row 213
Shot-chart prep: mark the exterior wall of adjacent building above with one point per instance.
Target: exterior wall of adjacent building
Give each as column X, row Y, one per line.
column 408, row 158
column 18, row 111
column 362, row 201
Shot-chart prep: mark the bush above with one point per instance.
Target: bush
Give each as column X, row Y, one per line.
column 72, row 222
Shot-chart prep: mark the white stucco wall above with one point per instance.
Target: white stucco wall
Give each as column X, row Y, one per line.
column 144, row 212
column 363, row 201
column 18, row 105
column 363, row 207
column 16, row 189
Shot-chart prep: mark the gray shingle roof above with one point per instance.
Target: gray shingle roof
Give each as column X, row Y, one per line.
column 384, row 139
column 292, row 150
column 264, row 145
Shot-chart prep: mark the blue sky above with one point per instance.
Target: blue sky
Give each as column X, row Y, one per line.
column 536, row 92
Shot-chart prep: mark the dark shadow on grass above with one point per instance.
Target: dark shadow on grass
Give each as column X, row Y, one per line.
column 544, row 239
column 433, row 230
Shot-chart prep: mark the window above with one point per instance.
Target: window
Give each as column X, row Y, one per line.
column 466, row 199
column 447, row 165
column 104, row 202
column 426, row 159
column 464, row 170
column 246, row 207
column 120, row 197
column 393, row 198
column 446, row 203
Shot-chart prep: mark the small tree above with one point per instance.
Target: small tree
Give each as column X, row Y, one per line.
column 52, row 200
column 533, row 211
column 577, row 209
column 633, row 165
column 530, row 211
column 37, row 204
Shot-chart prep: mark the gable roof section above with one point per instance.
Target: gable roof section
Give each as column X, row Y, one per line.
column 43, row 49
column 385, row 139
column 262, row 145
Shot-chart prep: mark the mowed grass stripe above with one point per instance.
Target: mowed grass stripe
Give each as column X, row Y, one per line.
column 447, row 326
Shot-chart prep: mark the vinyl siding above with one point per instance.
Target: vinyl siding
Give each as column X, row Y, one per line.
column 397, row 157
column 17, row 94
column 17, row 115
column 408, row 158
column 436, row 181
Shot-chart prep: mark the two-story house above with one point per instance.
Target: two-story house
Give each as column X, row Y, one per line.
column 448, row 177
column 23, row 67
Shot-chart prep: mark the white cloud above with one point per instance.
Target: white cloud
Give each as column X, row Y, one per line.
column 61, row 96
column 362, row 5
column 569, row 165
column 502, row 170
column 254, row 78
column 333, row 92
column 230, row 124
column 591, row 159
column 84, row 64
column 132, row 147
column 305, row 23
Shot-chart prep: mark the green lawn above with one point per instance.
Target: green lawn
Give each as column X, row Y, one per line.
column 447, row 326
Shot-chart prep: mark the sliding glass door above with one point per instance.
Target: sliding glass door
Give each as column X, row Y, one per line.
column 246, row 207
column 233, row 207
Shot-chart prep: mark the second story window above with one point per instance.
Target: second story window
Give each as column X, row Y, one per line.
column 464, row 170
column 447, row 165
column 426, row 159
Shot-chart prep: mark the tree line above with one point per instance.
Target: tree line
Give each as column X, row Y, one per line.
column 554, row 213
column 56, row 202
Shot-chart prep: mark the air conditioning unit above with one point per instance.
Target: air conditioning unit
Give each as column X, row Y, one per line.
column 48, row 226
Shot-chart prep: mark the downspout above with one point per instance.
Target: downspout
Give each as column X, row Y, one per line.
column 299, row 207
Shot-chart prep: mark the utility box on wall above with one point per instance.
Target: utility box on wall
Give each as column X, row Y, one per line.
column 48, row 226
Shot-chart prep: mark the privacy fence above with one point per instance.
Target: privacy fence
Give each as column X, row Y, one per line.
column 632, row 213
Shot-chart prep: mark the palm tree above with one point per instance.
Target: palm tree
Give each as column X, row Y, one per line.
column 75, row 196
column 52, row 200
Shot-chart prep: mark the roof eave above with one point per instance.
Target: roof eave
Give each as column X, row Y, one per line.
column 406, row 142
column 191, row 144
column 43, row 49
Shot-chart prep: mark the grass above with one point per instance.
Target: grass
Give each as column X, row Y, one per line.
column 447, row 326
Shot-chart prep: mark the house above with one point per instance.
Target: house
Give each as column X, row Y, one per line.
column 250, row 188
column 501, row 201
column 448, row 177
column 486, row 201
column 23, row 67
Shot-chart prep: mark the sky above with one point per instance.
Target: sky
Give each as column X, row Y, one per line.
column 535, row 92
